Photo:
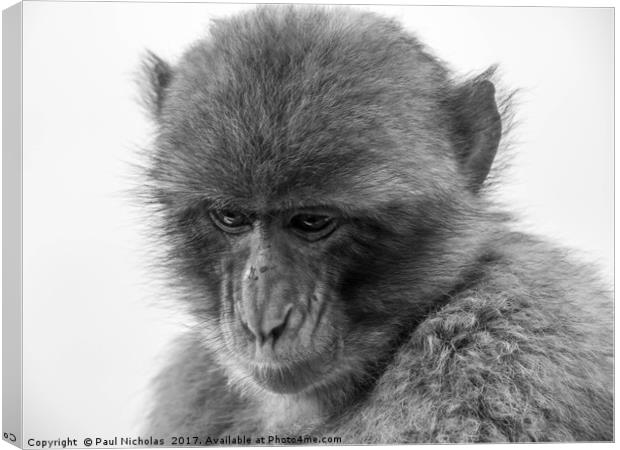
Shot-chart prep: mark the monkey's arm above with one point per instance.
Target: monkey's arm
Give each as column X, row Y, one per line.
column 522, row 355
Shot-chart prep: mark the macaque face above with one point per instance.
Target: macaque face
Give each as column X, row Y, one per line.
column 299, row 191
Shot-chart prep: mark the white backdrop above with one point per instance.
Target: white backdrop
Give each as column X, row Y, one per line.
column 92, row 330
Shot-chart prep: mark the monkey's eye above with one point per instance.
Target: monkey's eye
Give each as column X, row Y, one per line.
column 313, row 226
column 230, row 221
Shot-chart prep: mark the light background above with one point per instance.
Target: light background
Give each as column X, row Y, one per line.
column 92, row 330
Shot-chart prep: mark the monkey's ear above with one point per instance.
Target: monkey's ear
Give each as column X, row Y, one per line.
column 156, row 77
column 477, row 131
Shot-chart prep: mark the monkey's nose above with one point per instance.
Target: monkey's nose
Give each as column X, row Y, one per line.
column 269, row 327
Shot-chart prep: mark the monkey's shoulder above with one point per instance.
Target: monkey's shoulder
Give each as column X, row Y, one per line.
column 524, row 353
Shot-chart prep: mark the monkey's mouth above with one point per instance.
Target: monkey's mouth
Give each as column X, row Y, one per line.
column 295, row 377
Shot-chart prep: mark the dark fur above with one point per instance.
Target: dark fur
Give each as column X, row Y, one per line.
column 458, row 329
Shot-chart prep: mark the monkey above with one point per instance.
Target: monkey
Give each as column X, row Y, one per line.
column 321, row 183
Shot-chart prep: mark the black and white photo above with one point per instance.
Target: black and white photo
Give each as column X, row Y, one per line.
column 241, row 224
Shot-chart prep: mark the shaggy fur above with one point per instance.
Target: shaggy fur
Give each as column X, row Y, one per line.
column 448, row 326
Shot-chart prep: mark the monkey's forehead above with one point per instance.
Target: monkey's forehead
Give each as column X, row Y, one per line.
column 364, row 191
column 262, row 150
column 264, row 177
